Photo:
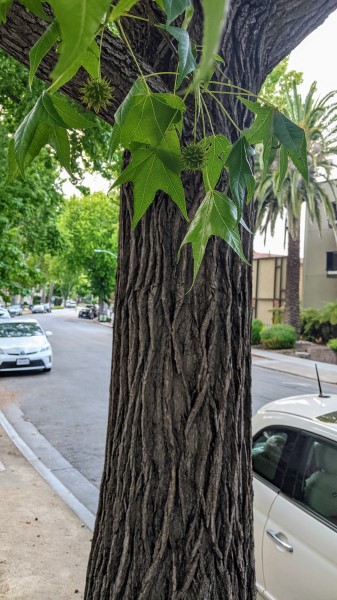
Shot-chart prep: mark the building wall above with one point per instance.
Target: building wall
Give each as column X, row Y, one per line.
column 318, row 288
column 269, row 282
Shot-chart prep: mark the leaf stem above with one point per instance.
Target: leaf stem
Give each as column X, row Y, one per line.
column 242, row 91
column 208, row 115
column 224, row 110
column 132, row 52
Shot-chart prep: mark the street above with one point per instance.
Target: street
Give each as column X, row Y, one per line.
column 69, row 405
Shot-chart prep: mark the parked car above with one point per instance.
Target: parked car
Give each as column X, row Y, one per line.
column 86, row 312
column 15, row 310
column 38, row 308
column 24, row 346
column 94, row 308
column 70, row 304
column 47, row 307
column 4, row 314
column 295, row 498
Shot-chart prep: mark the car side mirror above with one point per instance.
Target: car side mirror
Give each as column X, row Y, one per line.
column 48, row 333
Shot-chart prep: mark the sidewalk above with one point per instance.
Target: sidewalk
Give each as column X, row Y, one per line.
column 44, row 547
column 292, row 365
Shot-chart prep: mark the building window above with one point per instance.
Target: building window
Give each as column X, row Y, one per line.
column 331, row 263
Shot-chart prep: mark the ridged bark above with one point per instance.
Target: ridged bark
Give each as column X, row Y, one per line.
column 175, row 512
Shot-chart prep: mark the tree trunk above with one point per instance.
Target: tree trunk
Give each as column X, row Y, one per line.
column 175, row 514
column 292, row 310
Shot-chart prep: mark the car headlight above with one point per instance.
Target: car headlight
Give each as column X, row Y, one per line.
column 45, row 347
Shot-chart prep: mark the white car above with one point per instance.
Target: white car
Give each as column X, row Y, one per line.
column 71, row 304
column 39, row 308
column 295, row 498
column 24, row 346
column 4, row 314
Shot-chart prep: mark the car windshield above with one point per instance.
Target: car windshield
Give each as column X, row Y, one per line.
column 19, row 330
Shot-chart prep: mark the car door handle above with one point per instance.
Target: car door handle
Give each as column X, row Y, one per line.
column 279, row 541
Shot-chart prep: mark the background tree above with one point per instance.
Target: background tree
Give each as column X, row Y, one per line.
column 85, row 224
column 274, row 199
column 175, row 516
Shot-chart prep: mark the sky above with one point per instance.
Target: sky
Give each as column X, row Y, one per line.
column 315, row 58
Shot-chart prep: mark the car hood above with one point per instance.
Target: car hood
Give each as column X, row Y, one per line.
column 19, row 344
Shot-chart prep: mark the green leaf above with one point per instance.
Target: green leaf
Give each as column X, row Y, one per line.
column 121, row 7
column 70, row 116
column 12, row 168
column 50, row 115
column 187, row 62
column 42, row 47
column 25, row 133
column 152, row 170
column 149, row 117
column 214, row 20
column 58, row 139
column 216, row 157
column 288, row 133
column 90, row 60
column 4, row 8
column 216, row 215
column 139, row 88
column 283, row 166
column 301, row 161
column 241, row 178
column 35, row 7
column 79, row 22
column 174, row 8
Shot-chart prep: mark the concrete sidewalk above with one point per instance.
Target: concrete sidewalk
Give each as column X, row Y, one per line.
column 44, row 547
column 302, row 367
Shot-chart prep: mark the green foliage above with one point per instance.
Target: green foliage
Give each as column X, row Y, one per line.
column 257, row 327
column 88, row 223
column 150, row 124
column 278, row 80
column 278, row 337
column 333, row 344
column 278, row 315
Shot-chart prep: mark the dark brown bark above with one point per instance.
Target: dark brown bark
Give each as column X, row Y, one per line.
column 292, row 310
column 175, row 512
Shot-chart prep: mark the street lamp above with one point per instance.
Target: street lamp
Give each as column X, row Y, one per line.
column 106, row 252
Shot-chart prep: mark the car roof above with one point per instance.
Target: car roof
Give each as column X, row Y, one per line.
column 309, row 406
column 16, row 321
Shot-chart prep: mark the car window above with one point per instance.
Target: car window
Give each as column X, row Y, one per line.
column 271, row 451
column 316, row 486
column 8, row 330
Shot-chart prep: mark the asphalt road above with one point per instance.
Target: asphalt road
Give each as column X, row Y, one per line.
column 69, row 406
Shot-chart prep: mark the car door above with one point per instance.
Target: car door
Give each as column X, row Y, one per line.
column 271, row 451
column 299, row 547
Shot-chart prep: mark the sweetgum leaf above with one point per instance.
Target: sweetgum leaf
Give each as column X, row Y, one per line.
column 58, row 139
column 187, row 62
column 42, row 47
column 215, row 12
column 174, row 8
column 241, row 178
column 35, row 7
column 79, row 21
column 4, row 8
column 149, row 117
column 216, row 157
column 139, row 88
column 216, row 215
column 152, row 170
column 121, row 7
column 288, row 133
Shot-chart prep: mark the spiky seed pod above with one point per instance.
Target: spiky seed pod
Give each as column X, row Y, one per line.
column 194, row 157
column 96, row 94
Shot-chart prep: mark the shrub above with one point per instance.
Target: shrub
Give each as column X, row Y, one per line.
column 333, row 344
column 310, row 325
column 278, row 337
column 277, row 315
column 257, row 327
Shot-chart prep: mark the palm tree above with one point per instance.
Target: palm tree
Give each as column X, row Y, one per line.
column 318, row 117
